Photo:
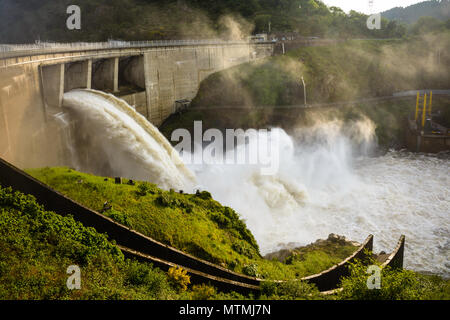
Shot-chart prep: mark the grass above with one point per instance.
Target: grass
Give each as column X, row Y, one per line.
column 194, row 223
column 395, row 284
column 37, row 247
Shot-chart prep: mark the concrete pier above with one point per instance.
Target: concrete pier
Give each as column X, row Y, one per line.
column 106, row 75
column 53, row 84
column 78, row 75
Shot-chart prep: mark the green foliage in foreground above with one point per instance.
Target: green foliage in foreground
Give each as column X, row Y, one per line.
column 37, row 246
column 395, row 285
column 289, row 290
column 193, row 223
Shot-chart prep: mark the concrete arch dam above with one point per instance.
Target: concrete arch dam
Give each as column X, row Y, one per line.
column 150, row 76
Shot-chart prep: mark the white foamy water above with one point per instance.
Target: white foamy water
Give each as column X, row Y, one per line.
column 111, row 138
column 326, row 182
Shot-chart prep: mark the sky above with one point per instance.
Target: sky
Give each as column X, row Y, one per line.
column 364, row 6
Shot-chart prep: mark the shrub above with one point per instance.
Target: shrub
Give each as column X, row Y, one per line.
column 268, row 288
column 164, row 200
column 171, row 200
column 203, row 292
column 154, row 280
column 228, row 219
column 396, row 284
column 434, row 287
column 199, row 251
column 120, row 217
column 136, row 274
column 251, row 270
column 179, row 278
column 205, row 195
column 69, row 237
column 239, row 225
column 221, row 220
column 143, row 189
column 289, row 290
column 244, row 248
column 295, row 289
column 36, row 246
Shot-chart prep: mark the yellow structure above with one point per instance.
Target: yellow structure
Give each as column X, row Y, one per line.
column 424, row 110
column 431, row 101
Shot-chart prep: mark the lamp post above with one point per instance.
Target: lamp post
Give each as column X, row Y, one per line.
column 304, row 89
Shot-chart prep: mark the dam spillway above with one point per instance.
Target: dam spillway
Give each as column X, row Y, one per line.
column 110, row 138
column 34, row 80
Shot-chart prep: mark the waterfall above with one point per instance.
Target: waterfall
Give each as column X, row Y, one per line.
column 328, row 182
column 112, row 139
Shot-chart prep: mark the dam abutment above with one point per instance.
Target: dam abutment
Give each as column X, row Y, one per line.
column 53, row 79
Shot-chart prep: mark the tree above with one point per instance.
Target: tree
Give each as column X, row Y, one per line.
column 426, row 25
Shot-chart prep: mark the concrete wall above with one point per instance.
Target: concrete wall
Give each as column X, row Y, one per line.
column 176, row 73
column 330, row 278
column 395, row 259
column 426, row 143
column 138, row 101
column 53, row 79
column 32, row 88
column 25, row 126
column 133, row 71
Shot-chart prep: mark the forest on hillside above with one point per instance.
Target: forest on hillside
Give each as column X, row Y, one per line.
column 439, row 9
column 25, row 21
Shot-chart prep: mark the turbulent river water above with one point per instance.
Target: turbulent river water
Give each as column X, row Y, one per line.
column 327, row 181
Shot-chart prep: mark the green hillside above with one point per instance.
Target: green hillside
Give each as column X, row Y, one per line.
column 347, row 71
column 193, row 223
column 439, row 9
column 37, row 246
column 24, row 21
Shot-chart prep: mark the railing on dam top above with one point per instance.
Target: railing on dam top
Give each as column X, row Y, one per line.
column 50, row 47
